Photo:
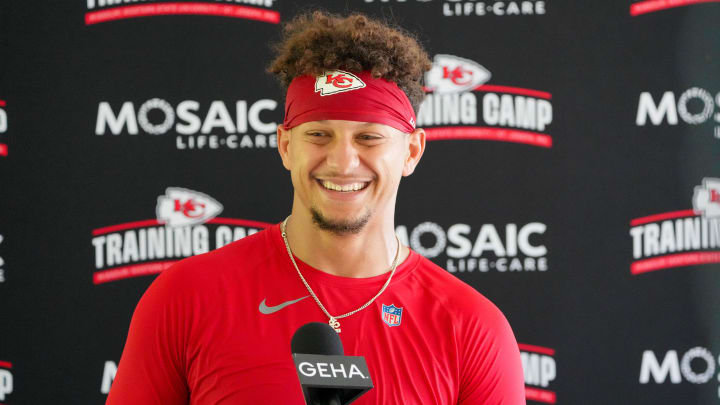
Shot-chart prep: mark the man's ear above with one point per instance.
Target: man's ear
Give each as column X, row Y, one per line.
column 416, row 147
column 283, row 145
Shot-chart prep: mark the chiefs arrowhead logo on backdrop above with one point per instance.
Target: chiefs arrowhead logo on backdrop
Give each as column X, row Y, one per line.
column 706, row 198
column 337, row 81
column 452, row 74
column 181, row 207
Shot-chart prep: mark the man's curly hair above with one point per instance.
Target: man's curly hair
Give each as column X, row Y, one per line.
column 319, row 41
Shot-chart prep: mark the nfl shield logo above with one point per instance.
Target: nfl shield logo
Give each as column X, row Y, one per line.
column 391, row 315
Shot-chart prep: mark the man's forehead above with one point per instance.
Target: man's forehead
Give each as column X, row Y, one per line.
column 350, row 124
column 360, row 123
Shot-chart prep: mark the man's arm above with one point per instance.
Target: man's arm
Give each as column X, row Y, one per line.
column 492, row 370
column 151, row 369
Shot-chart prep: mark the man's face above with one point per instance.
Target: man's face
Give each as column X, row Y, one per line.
column 347, row 172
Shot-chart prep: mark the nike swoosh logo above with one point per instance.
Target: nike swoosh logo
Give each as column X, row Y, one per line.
column 264, row 309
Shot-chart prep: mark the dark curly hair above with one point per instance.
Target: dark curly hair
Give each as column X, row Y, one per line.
column 319, row 41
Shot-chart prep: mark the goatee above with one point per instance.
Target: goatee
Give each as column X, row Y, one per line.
column 340, row 228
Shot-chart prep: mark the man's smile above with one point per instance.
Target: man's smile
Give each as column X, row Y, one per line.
column 347, row 187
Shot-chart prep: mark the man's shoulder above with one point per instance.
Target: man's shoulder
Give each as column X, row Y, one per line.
column 445, row 284
column 248, row 252
column 461, row 299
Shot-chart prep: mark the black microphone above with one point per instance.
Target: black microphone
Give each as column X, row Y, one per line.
column 327, row 376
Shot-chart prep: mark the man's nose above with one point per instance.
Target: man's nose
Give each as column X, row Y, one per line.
column 343, row 155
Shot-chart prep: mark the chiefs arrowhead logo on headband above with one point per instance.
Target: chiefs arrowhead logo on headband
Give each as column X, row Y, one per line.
column 336, row 81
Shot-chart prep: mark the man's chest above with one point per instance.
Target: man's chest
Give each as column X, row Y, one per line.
column 242, row 355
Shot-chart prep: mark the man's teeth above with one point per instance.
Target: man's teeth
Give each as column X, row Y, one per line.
column 346, row 187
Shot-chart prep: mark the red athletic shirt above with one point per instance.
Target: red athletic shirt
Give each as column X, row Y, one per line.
column 198, row 335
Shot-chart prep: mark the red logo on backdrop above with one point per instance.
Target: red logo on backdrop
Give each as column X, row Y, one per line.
column 452, row 74
column 181, row 206
column 681, row 238
column 105, row 11
column 458, row 76
column 706, row 198
column 540, row 371
column 460, row 105
column 190, row 208
column 715, row 196
column 186, row 225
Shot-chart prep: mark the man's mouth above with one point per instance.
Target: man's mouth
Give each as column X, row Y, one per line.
column 346, row 188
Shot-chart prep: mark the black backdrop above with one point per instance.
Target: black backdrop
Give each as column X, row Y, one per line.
column 634, row 93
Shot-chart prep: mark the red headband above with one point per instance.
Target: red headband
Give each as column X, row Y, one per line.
column 339, row 95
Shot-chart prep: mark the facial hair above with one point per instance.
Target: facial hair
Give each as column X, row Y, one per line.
column 340, row 228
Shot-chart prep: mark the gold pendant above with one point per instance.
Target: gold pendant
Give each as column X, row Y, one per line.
column 335, row 324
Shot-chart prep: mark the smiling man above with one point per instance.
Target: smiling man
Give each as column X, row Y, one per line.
column 216, row 328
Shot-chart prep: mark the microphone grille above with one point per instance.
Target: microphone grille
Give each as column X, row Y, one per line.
column 317, row 338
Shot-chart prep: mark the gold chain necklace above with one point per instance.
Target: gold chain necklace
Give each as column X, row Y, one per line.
column 333, row 320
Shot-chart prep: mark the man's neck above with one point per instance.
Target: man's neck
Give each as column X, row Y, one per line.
column 367, row 253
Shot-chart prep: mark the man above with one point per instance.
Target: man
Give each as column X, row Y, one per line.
column 216, row 328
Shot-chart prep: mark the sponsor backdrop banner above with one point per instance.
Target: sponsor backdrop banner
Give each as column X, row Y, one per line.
column 572, row 176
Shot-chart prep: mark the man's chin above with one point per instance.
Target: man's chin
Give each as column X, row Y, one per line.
column 342, row 226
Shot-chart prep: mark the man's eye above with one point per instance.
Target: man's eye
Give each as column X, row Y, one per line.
column 368, row 137
column 316, row 134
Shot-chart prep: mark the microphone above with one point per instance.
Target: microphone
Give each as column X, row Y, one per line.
column 327, row 376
